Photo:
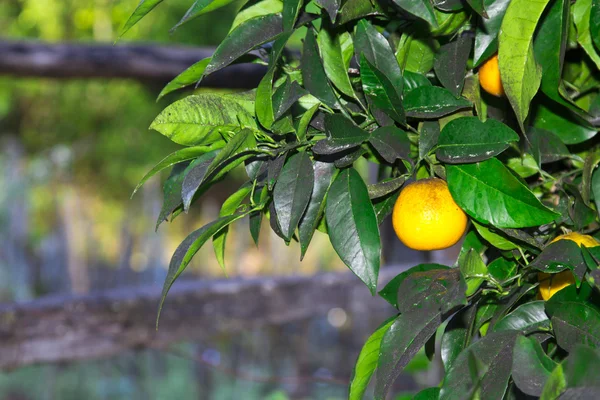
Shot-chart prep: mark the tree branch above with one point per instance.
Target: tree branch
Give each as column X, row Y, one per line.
column 139, row 62
column 56, row 329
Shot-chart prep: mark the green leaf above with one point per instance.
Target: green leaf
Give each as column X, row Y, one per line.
column 323, row 174
column 467, row 140
column 474, row 270
column 342, row 135
column 419, row 8
column 521, row 75
column 479, row 7
column 229, row 207
column 293, row 191
column 191, row 75
column 367, row 362
column 416, row 54
column 428, row 137
column 526, row 318
column 390, row 292
column 391, row 143
column 494, row 351
column 291, row 10
column 193, row 178
column 570, row 128
column 582, row 11
column 450, row 64
column 380, row 91
column 352, row 226
column 178, row 156
column 376, row 49
column 439, row 289
column 558, row 256
column 200, row 119
column 595, row 23
column 241, row 147
column 172, row 188
column 255, row 217
column 143, row 8
column 252, row 10
column 305, row 121
column 491, row 194
column 409, row 332
column 457, row 336
column 432, row 102
column 383, row 206
column 200, row 7
column 331, row 6
column 595, row 187
column 576, row 377
column 313, row 73
column 496, row 240
column 188, row 248
column 386, row 187
column 546, row 147
column 531, row 366
column 574, row 324
column 333, row 59
column 413, row 80
column 432, row 393
column 245, row 37
column 357, row 9
column 549, row 48
column 486, row 35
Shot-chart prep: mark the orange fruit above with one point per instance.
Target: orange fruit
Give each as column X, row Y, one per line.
column 552, row 283
column 425, row 216
column 489, row 77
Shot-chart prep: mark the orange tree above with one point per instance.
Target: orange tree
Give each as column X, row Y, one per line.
column 491, row 106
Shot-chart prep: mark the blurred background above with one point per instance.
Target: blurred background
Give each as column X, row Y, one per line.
column 71, row 151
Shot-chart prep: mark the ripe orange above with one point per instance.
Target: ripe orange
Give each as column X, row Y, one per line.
column 425, row 216
column 552, row 283
column 489, row 77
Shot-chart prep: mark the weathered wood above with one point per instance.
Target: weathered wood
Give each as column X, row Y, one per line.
column 56, row 329
column 139, row 62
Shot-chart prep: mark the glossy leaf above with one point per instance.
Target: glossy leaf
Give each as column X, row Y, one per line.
column 432, row 102
column 486, row 34
column 331, row 6
column 413, row 80
column 258, row 9
column 188, row 77
column 457, row 336
column 419, row 8
column 409, row 332
column 546, row 147
column 291, row 10
column 531, row 366
column 352, row 226
column 575, row 378
column 356, row 9
column 526, row 318
column 595, row 23
column 391, row 143
column 574, row 324
column 333, row 60
column 474, row 270
column 581, row 16
column 342, row 135
column 172, row 189
column 549, row 48
column 178, row 156
column 367, row 362
column 313, row 73
column 293, row 191
column 451, row 64
column 384, row 205
column 380, row 91
column 491, row 194
column 390, row 292
column 495, row 239
column 194, row 178
column 521, row 75
column 479, row 7
column 200, row 119
column 494, row 352
column 323, row 174
column 188, row 248
column 416, row 54
column 305, row 121
column 558, row 256
column 468, row 140
column 428, row 137
column 143, row 8
column 229, row 207
column 570, row 128
column 201, row 7
column 376, row 49
column 386, row 187
column 244, row 38
column 439, row 289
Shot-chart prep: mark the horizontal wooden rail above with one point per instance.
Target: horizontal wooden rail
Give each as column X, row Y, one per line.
column 57, row 329
column 140, row 62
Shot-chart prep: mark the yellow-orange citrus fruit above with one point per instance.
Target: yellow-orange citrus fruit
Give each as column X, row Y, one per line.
column 426, row 217
column 489, row 77
column 552, row 283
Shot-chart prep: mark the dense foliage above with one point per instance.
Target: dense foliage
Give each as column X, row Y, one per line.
column 396, row 83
